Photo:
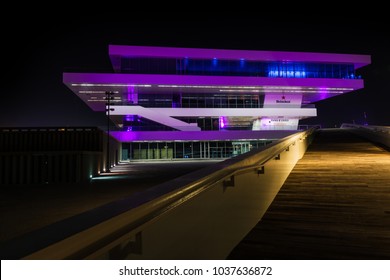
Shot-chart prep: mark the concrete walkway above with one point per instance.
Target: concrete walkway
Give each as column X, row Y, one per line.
column 334, row 205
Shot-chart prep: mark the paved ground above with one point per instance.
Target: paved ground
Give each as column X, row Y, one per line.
column 335, row 204
column 25, row 208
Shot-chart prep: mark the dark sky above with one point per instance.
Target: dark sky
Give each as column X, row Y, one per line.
column 35, row 55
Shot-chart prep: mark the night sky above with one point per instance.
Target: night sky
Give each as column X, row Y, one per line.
column 36, row 55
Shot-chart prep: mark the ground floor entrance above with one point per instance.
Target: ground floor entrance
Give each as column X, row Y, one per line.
column 188, row 149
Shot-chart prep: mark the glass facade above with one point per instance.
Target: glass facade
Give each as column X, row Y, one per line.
column 216, row 67
column 201, row 100
column 137, row 123
column 188, row 149
column 205, row 123
column 222, row 101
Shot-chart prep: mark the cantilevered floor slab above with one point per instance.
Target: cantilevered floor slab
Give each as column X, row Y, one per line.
column 334, row 205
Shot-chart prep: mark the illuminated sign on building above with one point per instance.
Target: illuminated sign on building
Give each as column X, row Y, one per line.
column 283, row 100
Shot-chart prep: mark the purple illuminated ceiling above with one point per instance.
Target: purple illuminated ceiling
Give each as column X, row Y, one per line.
column 125, row 136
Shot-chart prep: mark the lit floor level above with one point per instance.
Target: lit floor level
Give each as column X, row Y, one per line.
column 190, row 149
column 334, row 205
column 23, row 209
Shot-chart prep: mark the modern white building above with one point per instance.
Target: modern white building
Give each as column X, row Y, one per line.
column 172, row 103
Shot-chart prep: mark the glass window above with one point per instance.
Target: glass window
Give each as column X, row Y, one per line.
column 187, row 150
column 196, row 150
column 179, row 150
column 240, row 67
